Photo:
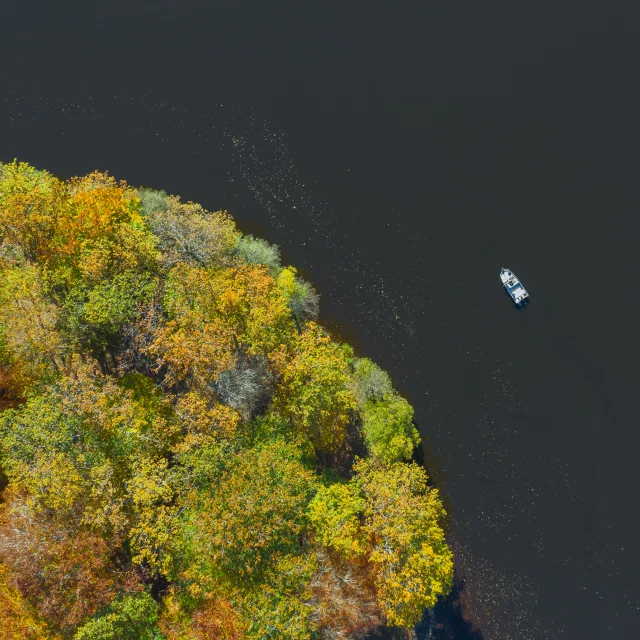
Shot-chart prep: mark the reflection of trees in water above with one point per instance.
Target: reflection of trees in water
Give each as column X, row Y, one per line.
column 446, row 621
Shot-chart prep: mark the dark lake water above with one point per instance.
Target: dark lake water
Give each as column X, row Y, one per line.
column 401, row 154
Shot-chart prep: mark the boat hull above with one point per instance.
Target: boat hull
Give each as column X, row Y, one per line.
column 514, row 288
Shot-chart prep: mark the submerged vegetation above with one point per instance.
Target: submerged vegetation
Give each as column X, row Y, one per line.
column 185, row 453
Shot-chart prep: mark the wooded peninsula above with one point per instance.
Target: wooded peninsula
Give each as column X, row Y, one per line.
column 185, row 453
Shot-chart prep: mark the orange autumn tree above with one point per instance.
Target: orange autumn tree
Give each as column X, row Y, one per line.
column 177, row 434
column 215, row 313
column 99, row 232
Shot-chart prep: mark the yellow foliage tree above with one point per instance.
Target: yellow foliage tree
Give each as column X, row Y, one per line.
column 204, row 421
column 335, row 513
column 403, row 517
column 99, row 232
column 30, row 202
column 314, row 392
column 18, row 620
column 212, row 314
column 28, row 323
column 154, row 520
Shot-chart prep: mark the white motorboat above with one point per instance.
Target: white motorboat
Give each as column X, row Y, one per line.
column 514, row 287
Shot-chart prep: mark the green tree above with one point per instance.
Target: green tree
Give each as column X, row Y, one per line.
column 388, row 428
column 152, row 201
column 131, row 617
column 255, row 514
column 93, row 316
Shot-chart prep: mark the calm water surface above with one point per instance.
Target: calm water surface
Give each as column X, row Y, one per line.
column 401, row 154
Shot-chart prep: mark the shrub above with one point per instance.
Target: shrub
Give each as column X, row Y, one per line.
column 258, row 251
column 152, row 201
column 187, row 232
column 370, row 381
column 304, row 302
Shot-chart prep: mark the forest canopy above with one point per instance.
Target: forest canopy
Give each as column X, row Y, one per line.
column 185, row 453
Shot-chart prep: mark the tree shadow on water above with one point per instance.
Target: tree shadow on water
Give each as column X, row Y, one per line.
column 446, row 620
